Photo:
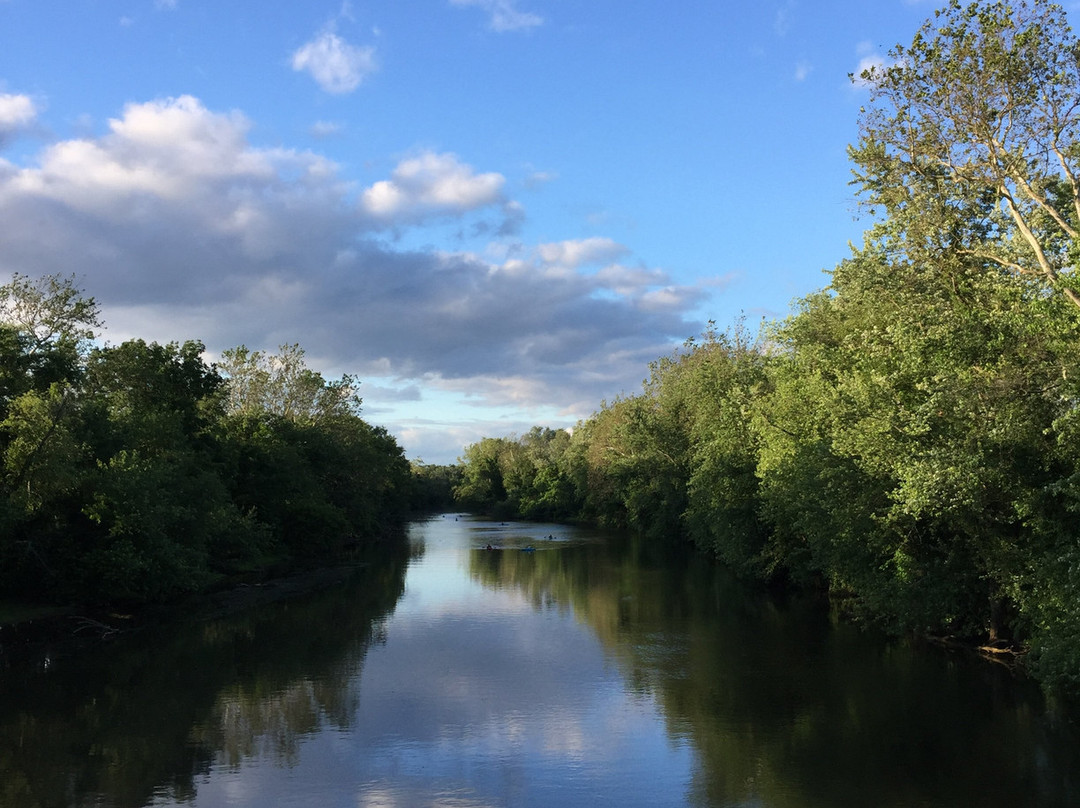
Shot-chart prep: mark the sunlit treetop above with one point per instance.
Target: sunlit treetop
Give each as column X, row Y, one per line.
column 970, row 143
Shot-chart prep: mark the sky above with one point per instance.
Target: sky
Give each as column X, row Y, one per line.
column 494, row 213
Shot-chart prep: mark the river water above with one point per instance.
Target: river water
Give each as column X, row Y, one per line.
column 558, row 668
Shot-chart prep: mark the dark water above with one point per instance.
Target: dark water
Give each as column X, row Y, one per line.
column 584, row 672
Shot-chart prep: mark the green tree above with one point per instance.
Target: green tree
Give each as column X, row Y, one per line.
column 637, row 463
column 433, row 486
column 45, row 328
column 50, row 312
column 482, row 486
column 970, row 144
column 909, row 449
column 164, row 522
column 722, row 377
column 304, row 464
column 46, row 325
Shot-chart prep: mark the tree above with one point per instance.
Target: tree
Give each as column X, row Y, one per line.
column 283, row 385
column 913, row 444
column 49, row 311
column 971, row 141
column 45, row 328
column 163, row 519
column 482, row 484
column 722, row 378
column 637, row 461
column 46, row 325
column 433, row 486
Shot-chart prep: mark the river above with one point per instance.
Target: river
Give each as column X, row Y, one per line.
column 561, row 667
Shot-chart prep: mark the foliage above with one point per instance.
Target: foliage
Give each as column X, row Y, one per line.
column 720, row 379
column 128, row 473
column 51, row 314
column 907, row 439
column 281, row 384
column 526, row 476
column 971, row 142
column 433, row 487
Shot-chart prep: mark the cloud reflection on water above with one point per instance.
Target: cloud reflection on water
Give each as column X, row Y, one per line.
column 477, row 698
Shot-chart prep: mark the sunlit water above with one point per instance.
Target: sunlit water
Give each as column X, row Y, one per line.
column 558, row 668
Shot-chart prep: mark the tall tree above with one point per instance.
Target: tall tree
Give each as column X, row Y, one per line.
column 282, row 384
column 49, row 311
column 971, row 141
column 46, row 325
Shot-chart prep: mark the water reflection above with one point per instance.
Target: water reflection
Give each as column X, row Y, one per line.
column 784, row 707
column 480, row 698
column 147, row 717
column 559, row 667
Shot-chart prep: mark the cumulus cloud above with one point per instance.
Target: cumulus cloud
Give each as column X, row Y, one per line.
column 428, row 185
column 164, row 203
column 336, row 66
column 575, row 253
column 182, row 228
column 504, row 14
column 17, row 114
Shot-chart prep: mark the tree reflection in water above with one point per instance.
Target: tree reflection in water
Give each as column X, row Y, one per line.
column 144, row 716
column 765, row 701
column 788, row 708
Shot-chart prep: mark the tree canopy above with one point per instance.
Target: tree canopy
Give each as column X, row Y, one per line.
column 907, row 439
column 139, row 472
column 970, row 143
column 282, row 384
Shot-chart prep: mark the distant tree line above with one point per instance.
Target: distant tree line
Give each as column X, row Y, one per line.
column 139, row 472
column 909, row 438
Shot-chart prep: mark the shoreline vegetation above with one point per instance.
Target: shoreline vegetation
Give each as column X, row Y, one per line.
column 139, row 474
column 907, row 441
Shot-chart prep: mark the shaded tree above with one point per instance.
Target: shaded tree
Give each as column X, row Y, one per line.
column 433, row 486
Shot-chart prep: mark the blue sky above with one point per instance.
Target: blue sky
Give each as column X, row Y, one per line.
column 495, row 212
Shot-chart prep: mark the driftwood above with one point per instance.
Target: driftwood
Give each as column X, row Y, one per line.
column 1002, row 652
column 102, row 629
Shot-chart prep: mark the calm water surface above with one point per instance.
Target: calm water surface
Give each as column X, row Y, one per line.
column 559, row 668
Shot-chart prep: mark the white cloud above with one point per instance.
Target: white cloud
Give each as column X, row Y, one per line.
column 172, row 186
column 336, row 66
column 182, row 228
column 630, row 281
column 17, row 114
column 803, row 70
column 505, row 16
column 428, row 185
column 581, row 251
column 165, row 4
